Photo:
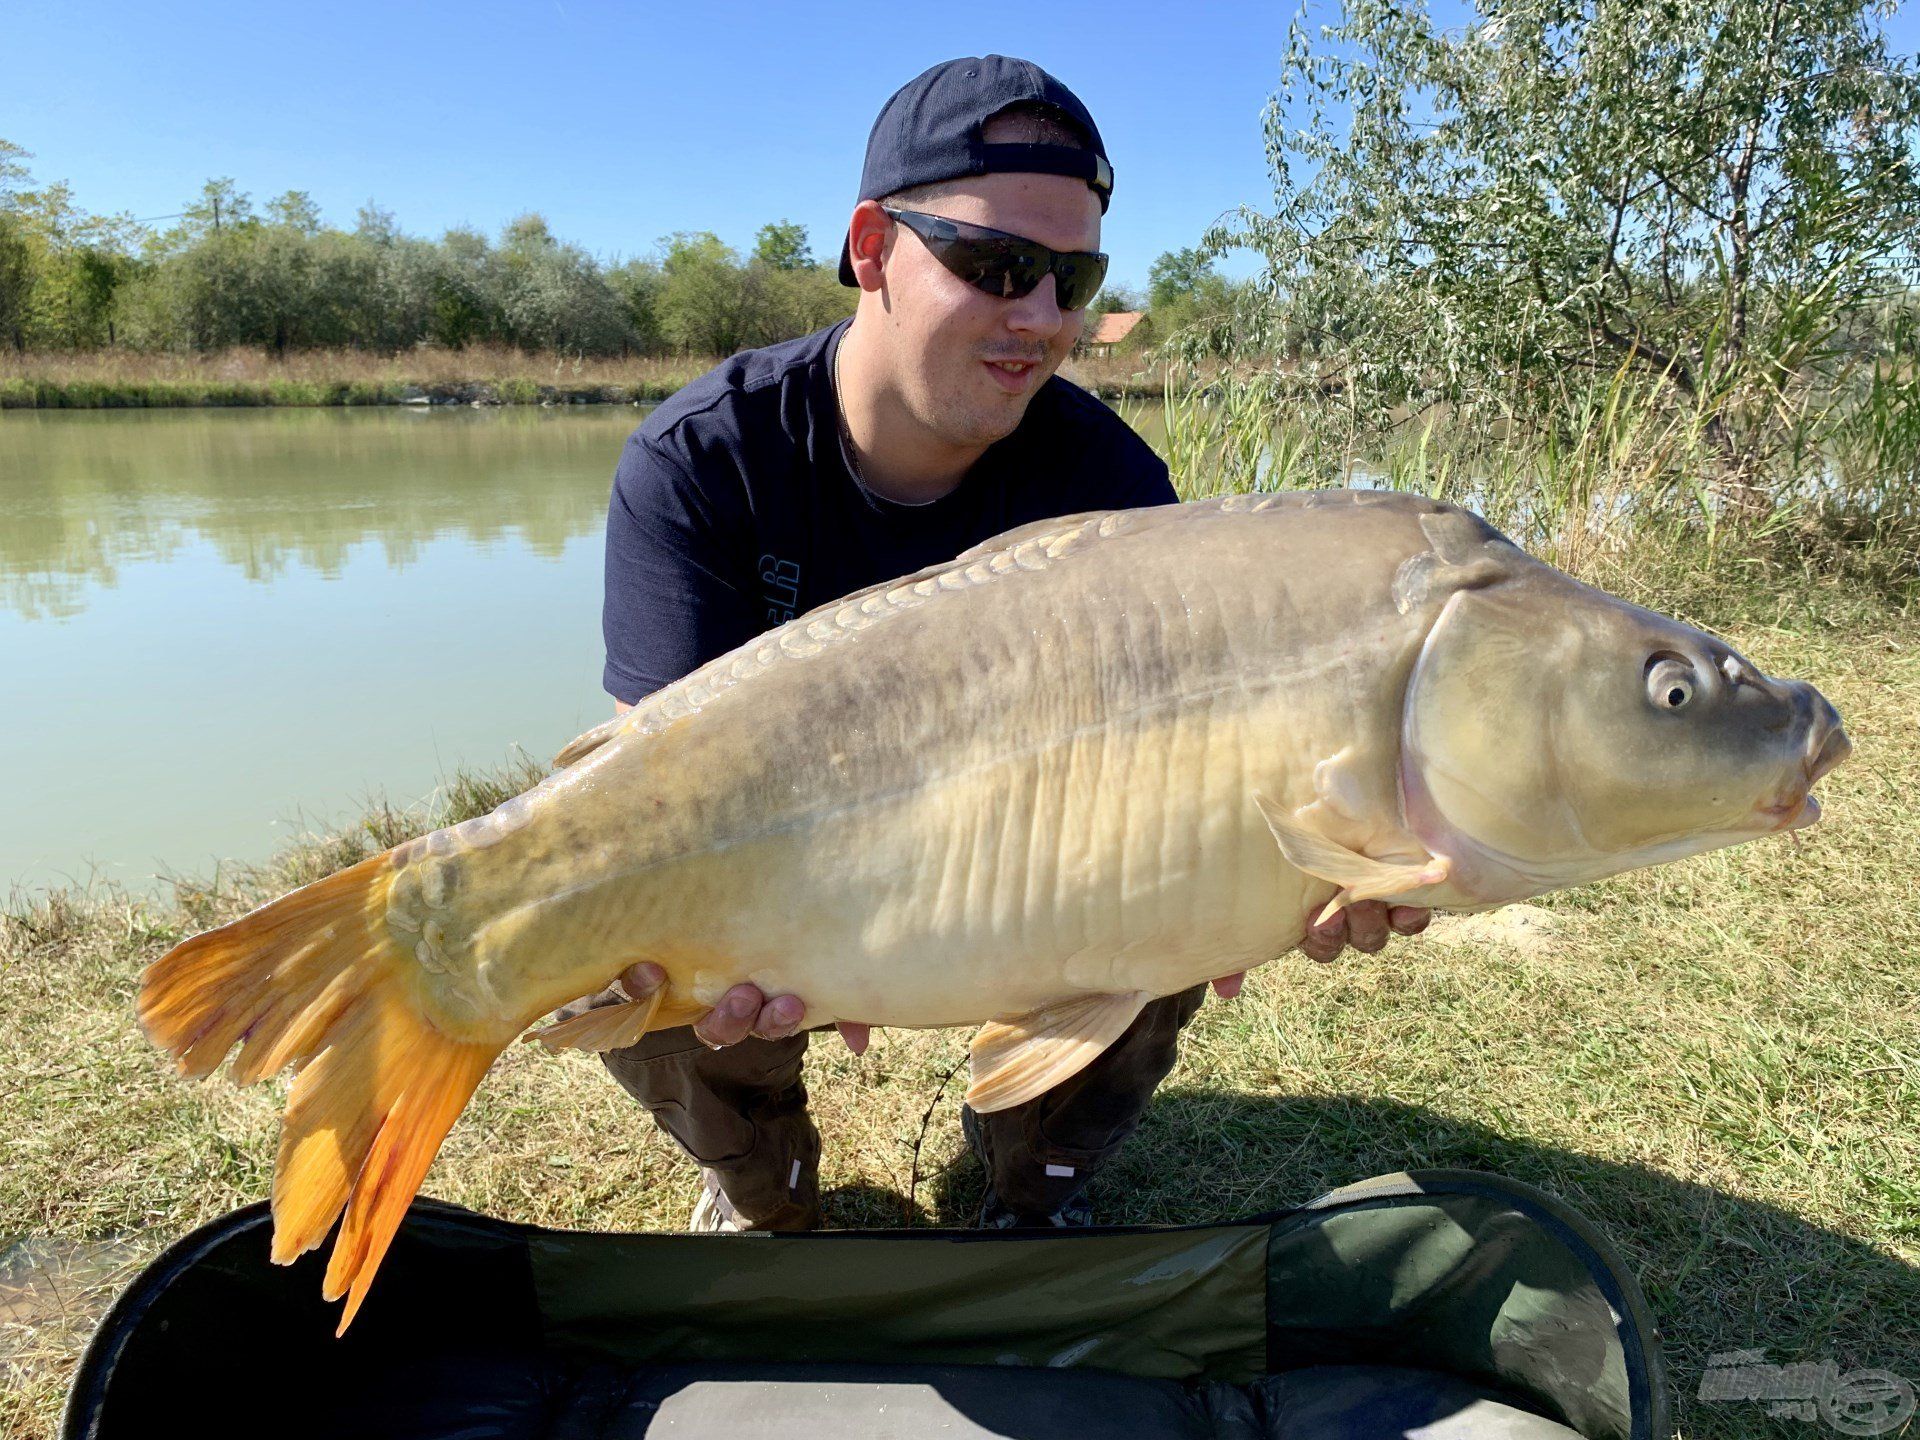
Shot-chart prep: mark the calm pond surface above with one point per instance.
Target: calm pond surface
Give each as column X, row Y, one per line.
column 221, row 627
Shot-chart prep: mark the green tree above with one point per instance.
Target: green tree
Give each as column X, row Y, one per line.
column 781, row 304
column 376, row 225
column 552, row 295
column 295, row 210
column 465, row 307
column 637, row 285
column 221, row 205
column 60, row 267
column 1192, row 303
column 17, row 268
column 705, row 306
column 1115, row 299
column 1184, row 276
column 1694, row 192
column 783, row 246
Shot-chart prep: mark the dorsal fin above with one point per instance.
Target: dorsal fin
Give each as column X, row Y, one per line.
column 1032, row 530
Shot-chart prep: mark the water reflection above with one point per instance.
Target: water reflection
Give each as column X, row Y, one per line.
column 220, row 627
column 83, row 495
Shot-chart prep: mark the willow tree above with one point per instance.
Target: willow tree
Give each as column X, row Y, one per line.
column 1703, row 195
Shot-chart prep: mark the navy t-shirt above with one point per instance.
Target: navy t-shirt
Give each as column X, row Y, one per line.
column 733, row 509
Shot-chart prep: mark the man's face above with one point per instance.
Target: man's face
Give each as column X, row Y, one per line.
column 967, row 363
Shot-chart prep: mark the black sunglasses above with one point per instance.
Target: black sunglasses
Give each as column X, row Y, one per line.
column 1009, row 266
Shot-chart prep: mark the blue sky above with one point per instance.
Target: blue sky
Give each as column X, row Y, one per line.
column 620, row 123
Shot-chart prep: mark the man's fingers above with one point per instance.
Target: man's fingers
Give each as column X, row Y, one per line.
column 640, row 981
column 731, row 1021
column 1409, row 919
column 1367, row 926
column 780, row 1017
column 1324, row 942
column 855, row 1034
column 1228, row 986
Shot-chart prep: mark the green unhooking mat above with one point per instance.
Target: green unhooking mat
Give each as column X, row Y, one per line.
column 1440, row 1305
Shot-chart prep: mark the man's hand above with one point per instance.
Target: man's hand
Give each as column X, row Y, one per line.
column 1363, row 925
column 744, row 1010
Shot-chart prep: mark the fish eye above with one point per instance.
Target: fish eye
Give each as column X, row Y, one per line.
column 1670, row 681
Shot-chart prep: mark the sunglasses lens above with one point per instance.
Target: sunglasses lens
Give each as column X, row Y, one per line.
column 1077, row 279
column 999, row 267
column 1008, row 267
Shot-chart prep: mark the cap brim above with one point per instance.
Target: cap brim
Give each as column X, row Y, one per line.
column 846, row 263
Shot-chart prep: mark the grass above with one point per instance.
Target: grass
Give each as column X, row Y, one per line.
column 1716, row 1060
column 105, row 379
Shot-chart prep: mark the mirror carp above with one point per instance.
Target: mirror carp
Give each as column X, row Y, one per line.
column 1094, row 761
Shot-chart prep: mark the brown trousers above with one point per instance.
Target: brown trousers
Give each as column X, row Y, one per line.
column 741, row 1111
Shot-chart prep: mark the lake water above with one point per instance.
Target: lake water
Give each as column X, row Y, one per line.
column 219, row 628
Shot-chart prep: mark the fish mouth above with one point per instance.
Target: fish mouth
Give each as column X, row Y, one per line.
column 1827, row 746
column 1834, row 747
column 1796, row 813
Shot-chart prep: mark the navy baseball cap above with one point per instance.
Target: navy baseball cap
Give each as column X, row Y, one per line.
column 931, row 130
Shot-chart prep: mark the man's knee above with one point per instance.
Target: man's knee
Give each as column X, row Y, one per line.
column 675, row 1068
column 740, row 1111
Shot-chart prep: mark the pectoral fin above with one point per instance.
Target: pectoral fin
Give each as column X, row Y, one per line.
column 1358, row 877
column 610, row 1027
column 1014, row 1060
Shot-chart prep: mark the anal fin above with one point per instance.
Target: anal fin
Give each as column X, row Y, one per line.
column 1012, row 1061
column 610, row 1027
column 1358, row 876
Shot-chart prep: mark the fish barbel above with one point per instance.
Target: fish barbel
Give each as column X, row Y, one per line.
column 1095, row 761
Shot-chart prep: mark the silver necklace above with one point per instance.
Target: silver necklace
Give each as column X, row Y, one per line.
column 847, row 452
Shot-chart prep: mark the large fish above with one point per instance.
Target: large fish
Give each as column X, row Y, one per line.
column 1092, row 762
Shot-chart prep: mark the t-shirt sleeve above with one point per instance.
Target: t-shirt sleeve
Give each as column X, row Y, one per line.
column 675, row 593
column 1131, row 473
column 1145, row 479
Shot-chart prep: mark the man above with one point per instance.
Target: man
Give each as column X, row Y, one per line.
column 792, row 475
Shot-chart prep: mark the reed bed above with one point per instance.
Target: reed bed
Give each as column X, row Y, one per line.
column 1618, row 480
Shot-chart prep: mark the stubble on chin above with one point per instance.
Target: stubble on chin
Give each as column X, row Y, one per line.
column 966, row 419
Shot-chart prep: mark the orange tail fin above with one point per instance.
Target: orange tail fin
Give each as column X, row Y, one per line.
column 315, row 981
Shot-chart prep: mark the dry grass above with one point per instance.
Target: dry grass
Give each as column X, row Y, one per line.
column 417, row 366
column 107, row 378
column 1716, row 1060
column 1114, row 375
